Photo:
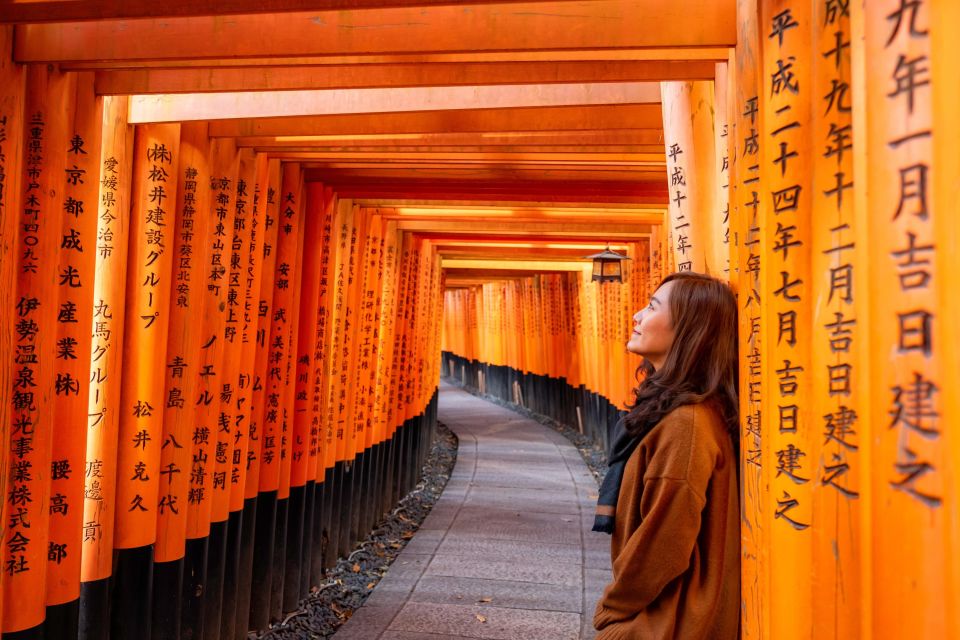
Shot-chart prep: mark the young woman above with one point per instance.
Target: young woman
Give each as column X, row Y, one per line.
column 670, row 497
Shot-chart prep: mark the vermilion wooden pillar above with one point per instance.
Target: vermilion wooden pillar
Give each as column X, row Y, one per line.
column 836, row 336
column 688, row 119
column 945, row 106
column 72, row 384
column 12, row 94
column 31, row 398
column 906, row 429
column 790, row 443
column 104, row 409
column 264, row 493
column 745, row 210
column 241, row 508
column 208, row 369
column 222, row 547
column 190, row 246
column 142, row 399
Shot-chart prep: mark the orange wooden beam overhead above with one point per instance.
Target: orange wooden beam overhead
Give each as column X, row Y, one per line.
column 259, row 104
column 643, row 193
column 493, row 121
column 637, row 139
column 354, row 76
column 657, row 54
column 526, row 26
column 614, row 231
column 82, row 10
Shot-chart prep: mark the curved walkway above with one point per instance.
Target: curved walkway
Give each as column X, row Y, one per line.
column 507, row 551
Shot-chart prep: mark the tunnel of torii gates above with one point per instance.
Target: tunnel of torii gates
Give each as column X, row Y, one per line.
column 238, row 252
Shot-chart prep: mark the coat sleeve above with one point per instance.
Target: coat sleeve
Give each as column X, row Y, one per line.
column 656, row 553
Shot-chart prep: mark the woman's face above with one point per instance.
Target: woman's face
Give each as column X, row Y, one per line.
column 653, row 332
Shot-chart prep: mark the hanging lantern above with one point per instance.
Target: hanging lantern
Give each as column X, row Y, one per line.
column 606, row 266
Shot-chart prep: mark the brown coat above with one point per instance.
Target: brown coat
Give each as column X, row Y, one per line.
column 676, row 539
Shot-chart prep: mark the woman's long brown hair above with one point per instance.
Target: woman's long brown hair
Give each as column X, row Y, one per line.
column 701, row 366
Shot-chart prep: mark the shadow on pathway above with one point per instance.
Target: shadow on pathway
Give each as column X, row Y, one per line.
column 507, row 552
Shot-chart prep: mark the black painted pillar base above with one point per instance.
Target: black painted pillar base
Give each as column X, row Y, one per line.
column 167, row 587
column 63, row 620
column 310, row 495
column 33, row 633
column 132, row 592
column 262, row 576
column 279, row 554
column 95, row 610
column 245, row 572
column 296, row 510
column 213, row 594
column 231, row 575
column 194, row 587
column 318, row 541
column 331, row 483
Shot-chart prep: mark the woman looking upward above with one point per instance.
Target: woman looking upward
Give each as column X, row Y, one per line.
column 670, row 497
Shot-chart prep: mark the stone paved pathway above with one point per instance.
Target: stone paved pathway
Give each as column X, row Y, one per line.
column 507, row 552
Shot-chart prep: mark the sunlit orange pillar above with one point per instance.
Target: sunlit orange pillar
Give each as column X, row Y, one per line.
column 259, row 487
column 190, row 246
column 720, row 221
column 243, row 509
column 789, row 448
column 72, row 384
column 688, row 130
column 312, row 346
column 908, row 439
column 207, row 367
column 12, row 94
column 945, row 106
column 223, row 547
column 142, row 399
column 836, row 337
column 745, row 214
column 278, row 421
column 31, row 396
column 382, row 416
column 106, row 372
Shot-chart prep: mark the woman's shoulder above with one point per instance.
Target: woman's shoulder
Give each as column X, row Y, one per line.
column 702, row 416
column 691, row 431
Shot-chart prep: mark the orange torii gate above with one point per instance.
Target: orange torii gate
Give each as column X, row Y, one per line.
column 200, row 433
column 259, row 310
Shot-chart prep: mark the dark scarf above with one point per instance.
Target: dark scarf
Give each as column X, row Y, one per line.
column 623, row 446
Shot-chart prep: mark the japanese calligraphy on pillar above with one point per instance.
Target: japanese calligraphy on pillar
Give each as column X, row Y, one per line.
column 209, row 359
column 688, row 121
column 258, row 392
column 722, row 145
column 336, row 403
column 153, row 217
column 786, row 165
column 907, row 425
column 304, row 450
column 383, row 406
column 745, row 205
column 107, row 328
column 251, row 277
column 277, row 419
column 77, row 262
column 189, row 247
column 231, row 420
column 12, row 91
column 369, row 324
column 835, row 336
column 25, row 545
column 914, row 392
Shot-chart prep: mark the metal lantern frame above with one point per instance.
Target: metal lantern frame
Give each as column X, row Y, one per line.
column 606, row 266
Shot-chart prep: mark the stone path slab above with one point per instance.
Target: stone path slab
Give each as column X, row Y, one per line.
column 507, row 552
